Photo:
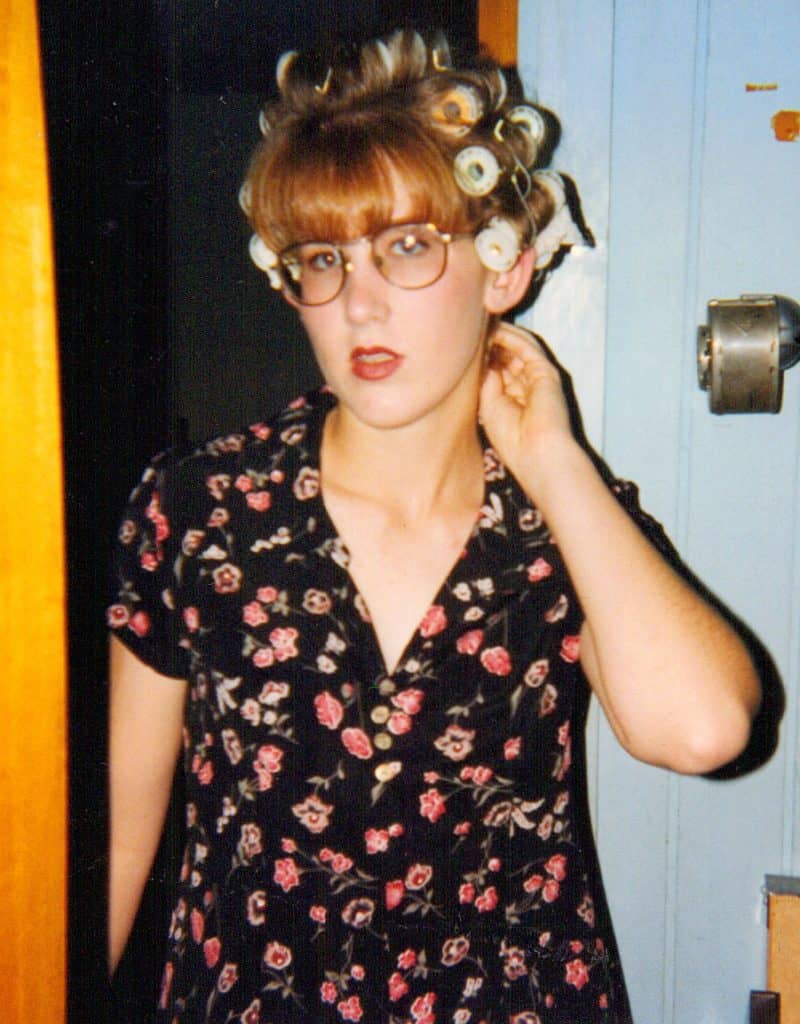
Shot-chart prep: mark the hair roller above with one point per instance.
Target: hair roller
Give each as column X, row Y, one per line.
column 476, row 170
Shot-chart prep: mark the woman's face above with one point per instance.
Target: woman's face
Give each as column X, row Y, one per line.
column 395, row 356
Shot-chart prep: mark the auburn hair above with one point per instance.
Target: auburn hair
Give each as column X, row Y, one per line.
column 346, row 127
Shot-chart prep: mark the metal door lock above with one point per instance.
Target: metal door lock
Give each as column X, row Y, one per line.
column 742, row 353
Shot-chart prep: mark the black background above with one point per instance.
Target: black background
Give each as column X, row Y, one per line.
column 166, row 331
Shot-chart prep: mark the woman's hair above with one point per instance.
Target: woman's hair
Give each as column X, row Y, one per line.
column 462, row 144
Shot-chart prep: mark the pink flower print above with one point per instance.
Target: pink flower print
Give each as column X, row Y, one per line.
column 550, row 890
column 264, row 657
column 191, row 541
column 357, row 743
column 227, row 578
column 513, row 962
column 399, row 723
column 350, row 1009
column 267, row 763
column 586, row 910
column 267, row 594
column 259, row 501
column 409, row 701
column 463, row 828
column 149, row 561
column 286, row 874
column 273, row 693
column 418, row 876
column 493, row 468
column 545, row 828
column 469, row 642
column 211, row 951
column 511, row 748
column 319, row 914
column 533, row 883
column 496, row 660
column 313, row 813
column 487, row 900
column 251, row 711
column 602, row 1001
column 576, row 973
column 140, row 624
column 340, row 863
column 422, row 1007
column 306, row 484
column 217, row 485
column 243, row 483
column 539, row 570
column 495, row 863
column 358, row 913
column 455, row 742
column 127, row 532
column 397, row 986
column 191, row 618
column 328, row 992
column 396, row 829
column 197, row 925
column 326, row 854
column 558, row 611
column 277, row 956
column 536, row 673
column 454, row 950
column 548, row 700
column 329, row 710
column 557, row 866
column 288, row 845
column 561, row 801
column 117, row 616
column 218, row 517
column 434, row 621
column 252, row 1015
column 283, row 640
column 571, row 648
column 205, row 775
column 431, row 805
column 407, row 959
column 393, row 893
column 481, row 775
column 466, row 892
column 228, row 977
column 257, row 907
column 377, row 840
column 254, row 615
column 260, row 430
column 166, row 985
column 358, row 972
column 250, row 842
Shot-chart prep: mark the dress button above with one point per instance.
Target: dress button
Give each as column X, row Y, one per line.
column 387, row 687
column 380, row 714
column 383, row 741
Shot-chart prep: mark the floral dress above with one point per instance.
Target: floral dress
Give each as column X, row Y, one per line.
column 402, row 848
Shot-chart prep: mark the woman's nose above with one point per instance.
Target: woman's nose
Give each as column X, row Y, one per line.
column 365, row 289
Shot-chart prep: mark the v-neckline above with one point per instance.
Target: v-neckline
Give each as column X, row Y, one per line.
column 332, row 530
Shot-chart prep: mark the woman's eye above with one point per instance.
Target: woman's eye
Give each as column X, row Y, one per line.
column 321, row 259
column 408, row 244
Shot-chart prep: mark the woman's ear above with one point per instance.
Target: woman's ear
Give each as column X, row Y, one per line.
column 505, row 288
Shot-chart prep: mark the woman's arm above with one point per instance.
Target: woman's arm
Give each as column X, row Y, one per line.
column 674, row 679
column 146, row 716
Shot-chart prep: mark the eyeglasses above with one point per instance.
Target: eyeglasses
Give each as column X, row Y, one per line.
column 406, row 255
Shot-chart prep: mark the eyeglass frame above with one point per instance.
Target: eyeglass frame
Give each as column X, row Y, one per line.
column 446, row 237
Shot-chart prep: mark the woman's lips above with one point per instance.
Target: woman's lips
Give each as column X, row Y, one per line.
column 375, row 363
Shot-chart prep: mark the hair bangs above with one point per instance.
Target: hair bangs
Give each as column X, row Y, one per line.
column 341, row 181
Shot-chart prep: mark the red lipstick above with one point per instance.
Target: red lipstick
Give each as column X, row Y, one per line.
column 374, row 363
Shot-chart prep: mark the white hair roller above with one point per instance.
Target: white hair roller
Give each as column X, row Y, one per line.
column 285, row 62
column 476, row 170
column 501, row 78
column 246, row 198
column 267, row 260
column 386, row 57
column 497, row 245
column 532, row 123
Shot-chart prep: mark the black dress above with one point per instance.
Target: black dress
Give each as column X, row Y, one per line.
column 413, row 847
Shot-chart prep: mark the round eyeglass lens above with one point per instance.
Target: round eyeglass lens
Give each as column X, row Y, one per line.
column 407, row 255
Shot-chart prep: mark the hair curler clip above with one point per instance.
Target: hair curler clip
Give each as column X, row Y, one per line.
column 476, row 170
column 458, row 110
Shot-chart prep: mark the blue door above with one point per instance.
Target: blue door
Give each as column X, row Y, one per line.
column 668, row 112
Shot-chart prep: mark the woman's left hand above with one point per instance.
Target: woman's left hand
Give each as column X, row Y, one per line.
column 522, row 404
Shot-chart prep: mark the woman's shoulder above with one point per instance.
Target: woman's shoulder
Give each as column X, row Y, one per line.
column 244, row 454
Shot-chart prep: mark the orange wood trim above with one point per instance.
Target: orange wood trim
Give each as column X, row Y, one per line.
column 497, row 29
column 33, row 752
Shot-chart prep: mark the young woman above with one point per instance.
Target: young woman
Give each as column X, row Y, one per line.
column 370, row 622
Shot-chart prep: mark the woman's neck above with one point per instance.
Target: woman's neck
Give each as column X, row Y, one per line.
column 413, row 470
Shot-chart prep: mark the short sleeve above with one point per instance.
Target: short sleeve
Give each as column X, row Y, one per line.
column 142, row 611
